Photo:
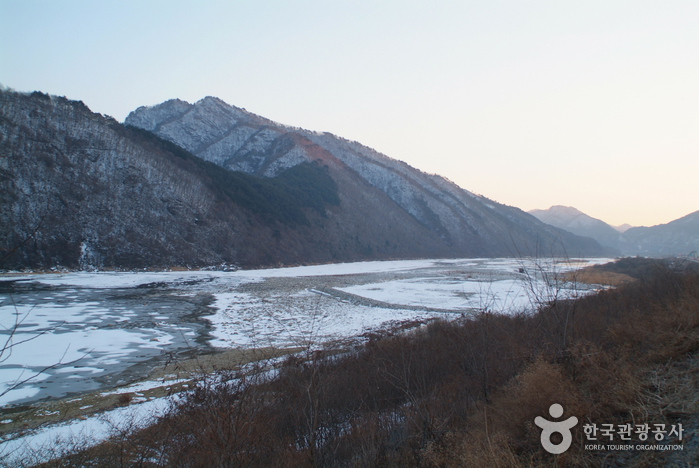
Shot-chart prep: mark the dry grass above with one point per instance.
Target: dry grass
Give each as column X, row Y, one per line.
column 591, row 275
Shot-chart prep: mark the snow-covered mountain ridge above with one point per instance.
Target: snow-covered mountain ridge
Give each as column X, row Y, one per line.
column 209, row 184
column 239, row 140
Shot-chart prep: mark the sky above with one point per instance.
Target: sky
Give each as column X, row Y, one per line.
column 531, row 103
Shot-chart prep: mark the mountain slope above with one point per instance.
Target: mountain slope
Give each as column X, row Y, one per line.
column 459, row 222
column 679, row 237
column 575, row 221
column 80, row 190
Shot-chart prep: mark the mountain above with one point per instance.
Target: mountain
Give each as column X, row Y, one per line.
column 678, row 237
column 81, row 190
column 575, row 221
column 465, row 223
column 623, row 228
column 208, row 184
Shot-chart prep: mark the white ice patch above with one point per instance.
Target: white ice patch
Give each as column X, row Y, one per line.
column 441, row 293
column 39, row 444
column 301, row 319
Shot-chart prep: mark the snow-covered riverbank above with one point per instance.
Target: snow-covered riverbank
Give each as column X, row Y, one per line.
column 106, row 330
column 100, row 328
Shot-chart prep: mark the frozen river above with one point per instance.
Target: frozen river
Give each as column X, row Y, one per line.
column 75, row 332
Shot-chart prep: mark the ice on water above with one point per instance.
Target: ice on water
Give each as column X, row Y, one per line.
column 93, row 324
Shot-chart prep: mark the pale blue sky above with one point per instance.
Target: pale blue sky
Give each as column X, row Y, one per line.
column 590, row 104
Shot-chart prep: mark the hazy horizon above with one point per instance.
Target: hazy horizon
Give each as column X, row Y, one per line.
column 530, row 104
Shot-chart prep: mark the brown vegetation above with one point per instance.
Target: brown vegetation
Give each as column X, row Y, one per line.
column 458, row 393
column 173, row 377
column 592, row 275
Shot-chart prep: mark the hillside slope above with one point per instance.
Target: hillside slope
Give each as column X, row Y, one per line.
column 679, row 237
column 80, row 190
column 575, row 221
column 459, row 222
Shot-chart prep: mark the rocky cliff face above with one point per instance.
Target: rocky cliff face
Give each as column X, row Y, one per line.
column 223, row 134
column 80, row 190
column 456, row 221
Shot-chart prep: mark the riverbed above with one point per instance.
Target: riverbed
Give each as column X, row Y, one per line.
column 69, row 333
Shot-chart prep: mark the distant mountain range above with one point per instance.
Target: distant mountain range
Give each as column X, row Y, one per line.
column 575, row 221
column 209, row 184
column 679, row 237
column 623, row 228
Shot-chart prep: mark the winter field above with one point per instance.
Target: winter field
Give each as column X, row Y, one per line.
column 70, row 333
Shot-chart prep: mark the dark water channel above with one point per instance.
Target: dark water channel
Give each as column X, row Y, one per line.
column 76, row 339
